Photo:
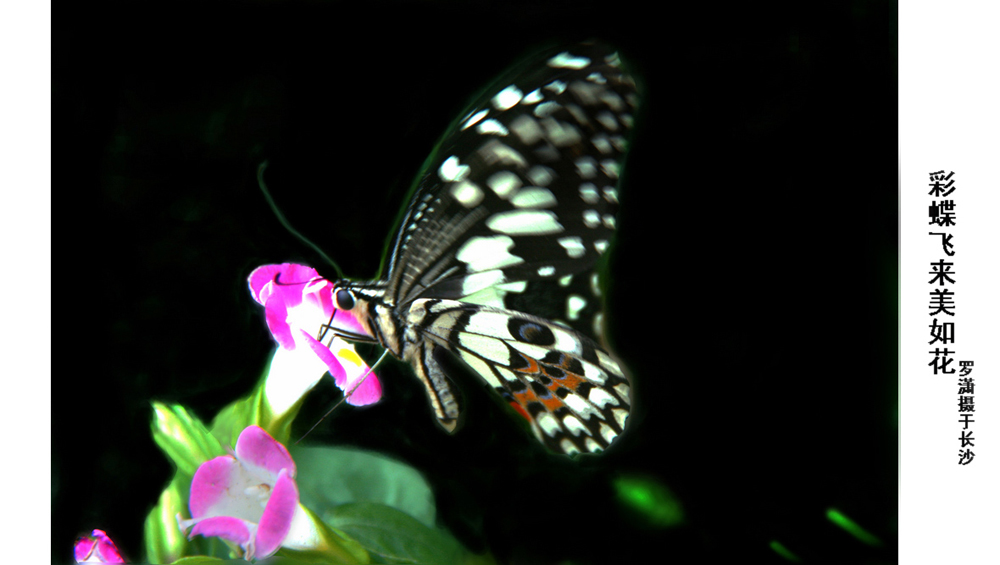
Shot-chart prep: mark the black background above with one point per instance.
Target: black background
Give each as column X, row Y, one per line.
column 754, row 278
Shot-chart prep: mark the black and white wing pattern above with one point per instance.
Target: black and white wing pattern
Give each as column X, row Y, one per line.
column 495, row 256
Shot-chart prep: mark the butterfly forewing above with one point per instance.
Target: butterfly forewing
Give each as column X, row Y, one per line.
column 494, row 257
column 524, row 186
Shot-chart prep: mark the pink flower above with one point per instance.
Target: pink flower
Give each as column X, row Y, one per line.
column 249, row 499
column 298, row 305
column 96, row 548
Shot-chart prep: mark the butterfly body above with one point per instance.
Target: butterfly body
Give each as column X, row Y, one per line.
column 495, row 256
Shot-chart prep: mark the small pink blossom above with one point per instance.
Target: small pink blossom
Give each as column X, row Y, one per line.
column 298, row 304
column 96, row 548
column 249, row 499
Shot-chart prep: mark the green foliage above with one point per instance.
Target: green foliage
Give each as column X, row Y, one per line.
column 651, row 502
column 392, row 536
column 183, row 438
column 164, row 540
column 330, row 476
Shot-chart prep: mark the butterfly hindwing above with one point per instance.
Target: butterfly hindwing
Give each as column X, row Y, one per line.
column 573, row 392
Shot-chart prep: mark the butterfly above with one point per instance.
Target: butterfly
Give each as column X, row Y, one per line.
column 495, row 256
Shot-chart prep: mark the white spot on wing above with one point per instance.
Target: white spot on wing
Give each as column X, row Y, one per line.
column 574, row 425
column 533, row 97
column 533, row 351
column 467, row 193
column 580, row 406
column 615, row 102
column 575, row 303
column 485, row 253
column 479, row 281
column 610, row 168
column 596, row 77
column 593, row 372
column 568, row 447
column 592, row 445
column 491, row 126
column 600, row 398
column 611, row 194
column 591, row 218
column 566, row 61
column 548, row 424
column 503, row 183
column 609, row 221
column 601, row 245
column 588, row 192
column 534, row 197
column 573, row 246
column 524, row 222
column 507, row 98
column 479, row 367
column 527, row 129
column 607, row 120
column 586, row 167
column 564, row 281
column 608, row 363
column 586, row 92
column 488, row 347
column 607, row 433
column 451, row 170
column 556, row 86
column 599, row 324
column 541, row 175
column 546, row 271
column 546, row 109
column 474, row 119
column 495, row 152
column 622, row 390
column 601, row 143
column 561, row 134
column 620, row 415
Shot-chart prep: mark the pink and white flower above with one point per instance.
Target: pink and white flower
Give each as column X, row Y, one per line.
column 298, row 304
column 96, row 548
column 249, row 498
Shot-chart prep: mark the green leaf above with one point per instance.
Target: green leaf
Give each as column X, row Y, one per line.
column 396, row 537
column 198, row 559
column 333, row 547
column 331, row 476
column 230, row 422
column 254, row 410
column 653, row 503
column 183, row 438
column 163, row 538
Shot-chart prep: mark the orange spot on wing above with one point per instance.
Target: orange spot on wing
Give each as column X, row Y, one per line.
column 520, row 410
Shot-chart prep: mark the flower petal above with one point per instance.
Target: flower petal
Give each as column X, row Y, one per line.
column 291, row 375
column 97, row 548
column 210, row 485
column 329, row 359
column 235, row 530
column 277, row 519
column 370, row 390
column 256, row 447
column 276, row 315
column 281, row 279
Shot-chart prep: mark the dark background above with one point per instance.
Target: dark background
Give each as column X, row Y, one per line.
column 754, row 278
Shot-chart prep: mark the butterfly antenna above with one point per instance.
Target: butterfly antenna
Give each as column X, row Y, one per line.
column 287, row 225
column 346, row 396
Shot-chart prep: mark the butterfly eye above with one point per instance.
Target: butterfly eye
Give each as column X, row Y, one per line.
column 345, row 300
